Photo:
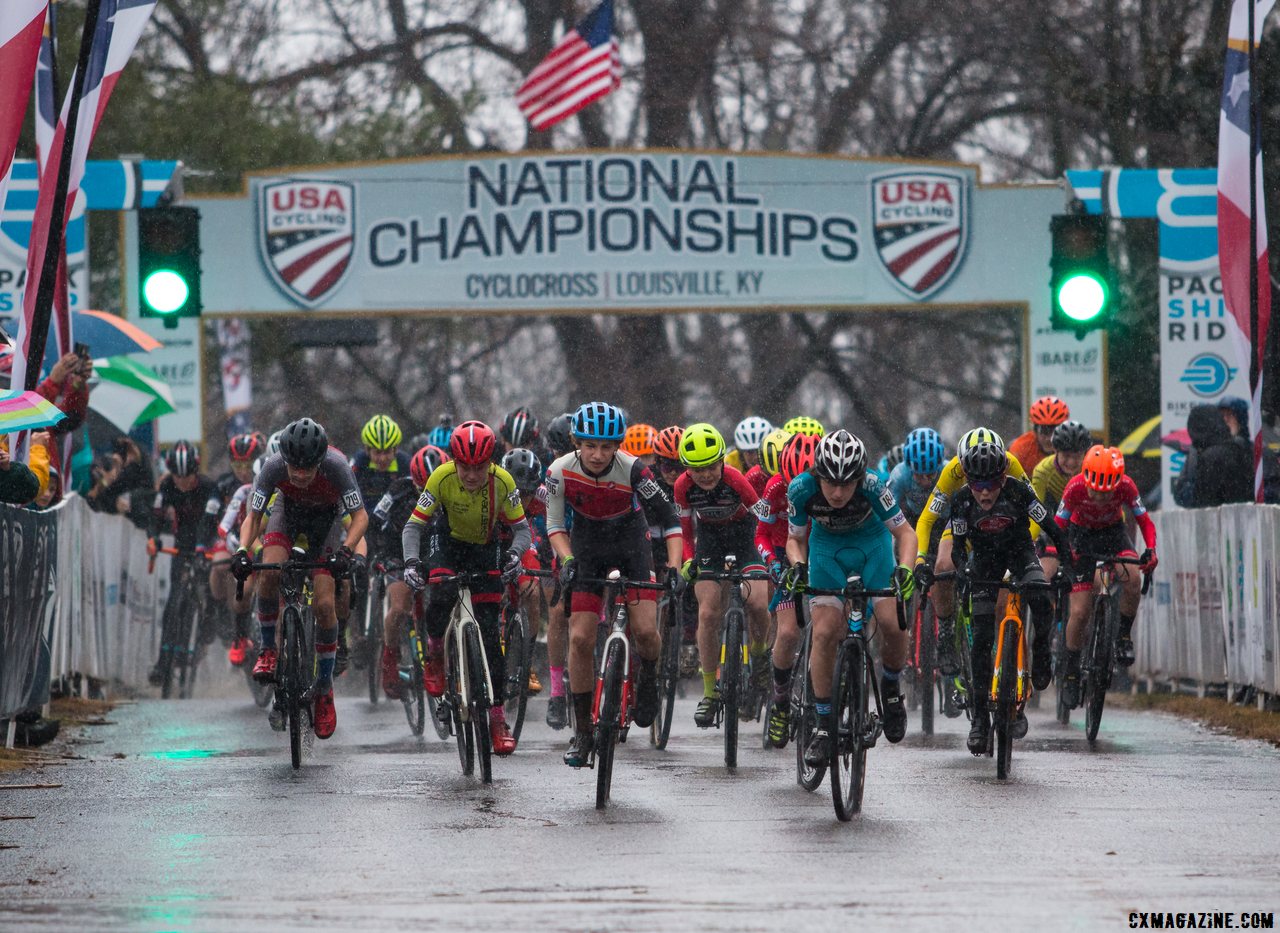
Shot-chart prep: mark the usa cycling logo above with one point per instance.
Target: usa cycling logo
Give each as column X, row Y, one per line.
column 1207, row 375
column 306, row 236
column 920, row 223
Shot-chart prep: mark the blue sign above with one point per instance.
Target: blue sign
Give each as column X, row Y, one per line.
column 1207, row 375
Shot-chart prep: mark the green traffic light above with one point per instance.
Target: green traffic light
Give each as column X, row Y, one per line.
column 1082, row 297
column 165, row 291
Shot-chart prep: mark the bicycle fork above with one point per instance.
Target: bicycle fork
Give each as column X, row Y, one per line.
column 616, row 636
column 1012, row 617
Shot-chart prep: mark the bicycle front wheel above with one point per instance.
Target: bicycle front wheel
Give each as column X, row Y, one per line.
column 373, row 639
column 804, row 719
column 731, row 684
column 291, row 678
column 1060, row 663
column 606, row 730
column 927, row 652
column 668, row 674
column 1006, row 711
column 192, row 652
column 516, row 649
column 852, row 716
column 412, row 694
column 1105, row 625
column 480, row 702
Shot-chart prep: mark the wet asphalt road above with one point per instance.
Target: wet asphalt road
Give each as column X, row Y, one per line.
column 204, row 826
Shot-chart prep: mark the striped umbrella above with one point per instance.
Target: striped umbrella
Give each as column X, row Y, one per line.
column 128, row 393
column 27, row 411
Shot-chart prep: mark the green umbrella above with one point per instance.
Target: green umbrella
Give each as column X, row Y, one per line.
column 128, row 393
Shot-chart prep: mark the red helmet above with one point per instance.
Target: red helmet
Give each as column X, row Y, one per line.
column 797, row 456
column 667, row 442
column 245, row 448
column 472, row 443
column 1103, row 468
column 1049, row 411
column 424, row 463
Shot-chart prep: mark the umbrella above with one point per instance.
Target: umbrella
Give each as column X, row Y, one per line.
column 1143, row 441
column 1179, row 440
column 105, row 334
column 128, row 392
column 22, row 411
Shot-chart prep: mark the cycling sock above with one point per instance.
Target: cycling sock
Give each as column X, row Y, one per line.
column 757, row 648
column 342, row 629
column 1126, row 626
column 267, row 624
column 822, row 707
column 649, row 669
column 781, row 676
column 557, row 681
column 889, row 682
column 708, row 684
column 497, row 715
column 325, row 654
column 242, row 625
column 582, row 711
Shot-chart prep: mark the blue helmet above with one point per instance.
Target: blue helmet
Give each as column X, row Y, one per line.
column 439, row 437
column 923, row 452
column 599, row 421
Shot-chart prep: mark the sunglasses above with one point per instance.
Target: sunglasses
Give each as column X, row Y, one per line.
column 987, row 485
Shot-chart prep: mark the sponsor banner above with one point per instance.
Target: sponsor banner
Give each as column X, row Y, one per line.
column 613, row 231
column 237, row 380
column 178, row 362
column 28, row 559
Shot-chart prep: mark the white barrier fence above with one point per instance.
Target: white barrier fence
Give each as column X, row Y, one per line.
column 1214, row 610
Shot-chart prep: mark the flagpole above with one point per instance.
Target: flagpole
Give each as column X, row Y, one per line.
column 54, row 245
column 1254, row 117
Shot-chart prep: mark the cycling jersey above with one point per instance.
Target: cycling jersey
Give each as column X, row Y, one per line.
column 473, row 516
column 195, row 513
column 610, row 501
column 734, row 459
column 949, row 481
column 758, row 479
column 373, row 482
column 1005, row 526
column 1048, row 482
column 771, row 531
column 870, row 500
column 1027, row 449
column 1078, row 510
column 233, row 516
column 333, row 489
column 391, row 514
column 853, row 538
column 911, row 496
column 726, row 516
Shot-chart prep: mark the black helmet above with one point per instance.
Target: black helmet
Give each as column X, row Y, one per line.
column 183, row 459
column 524, row 467
column 983, row 461
column 840, row 458
column 519, row 427
column 303, row 444
column 560, row 434
column 1071, row 437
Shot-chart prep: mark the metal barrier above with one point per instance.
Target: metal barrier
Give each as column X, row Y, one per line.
column 1214, row 610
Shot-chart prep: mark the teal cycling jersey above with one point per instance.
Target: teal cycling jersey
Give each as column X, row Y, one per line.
column 872, row 505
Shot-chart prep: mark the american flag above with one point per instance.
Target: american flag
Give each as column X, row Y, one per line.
column 20, row 25
column 583, row 67
column 1235, row 253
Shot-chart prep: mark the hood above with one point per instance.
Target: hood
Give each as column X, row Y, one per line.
column 1206, row 427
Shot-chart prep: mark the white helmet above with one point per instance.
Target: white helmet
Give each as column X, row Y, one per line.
column 840, row 458
column 751, row 432
column 273, row 444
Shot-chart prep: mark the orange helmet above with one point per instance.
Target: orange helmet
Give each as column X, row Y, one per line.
column 638, row 441
column 1103, row 468
column 797, row 456
column 1049, row 411
column 667, row 442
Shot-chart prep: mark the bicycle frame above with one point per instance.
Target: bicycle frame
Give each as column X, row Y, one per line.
column 463, row 617
column 1012, row 616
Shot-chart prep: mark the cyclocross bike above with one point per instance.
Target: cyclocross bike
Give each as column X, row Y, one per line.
column 181, row 629
column 739, row 699
column 1104, row 628
column 671, row 625
column 295, row 670
column 517, row 649
column 854, row 687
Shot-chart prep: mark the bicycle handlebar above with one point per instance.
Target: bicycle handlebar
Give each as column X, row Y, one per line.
column 852, row 591
column 282, row 565
column 731, row 575
column 1102, row 560
column 622, row 582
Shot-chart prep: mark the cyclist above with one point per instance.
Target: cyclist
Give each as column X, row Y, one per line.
column 186, row 504
column 527, row 471
column 726, row 510
column 771, row 543
column 314, row 488
column 991, row 520
column 943, row 592
column 666, row 448
column 476, row 495
column 1033, row 446
column 747, row 438
column 389, row 517
column 856, row 527
column 440, row 434
column 912, row 480
column 1092, row 508
column 609, row 491
column 520, row 431
column 1071, row 440
column 638, row 442
column 560, row 434
column 244, row 450
column 803, row 424
column 886, row 464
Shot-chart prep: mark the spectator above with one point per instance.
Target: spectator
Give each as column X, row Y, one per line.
column 50, row 496
column 1235, row 413
column 18, row 485
column 122, row 483
column 37, row 465
column 67, row 386
column 1217, row 469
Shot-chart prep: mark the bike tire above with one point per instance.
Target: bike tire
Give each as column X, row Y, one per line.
column 260, row 692
column 292, row 676
column 193, row 652
column 412, row 693
column 668, row 677
column 168, row 638
column 804, row 719
column 612, row 684
column 965, row 648
column 480, row 702
column 1062, row 711
column 928, row 654
column 1105, row 624
column 848, row 765
column 731, row 684
column 461, row 727
column 1006, row 711
column 438, row 722
column 375, row 601
column 518, row 651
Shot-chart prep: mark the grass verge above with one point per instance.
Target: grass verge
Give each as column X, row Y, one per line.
column 1244, row 721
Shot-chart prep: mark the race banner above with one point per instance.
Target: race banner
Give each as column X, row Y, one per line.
column 237, row 380
column 28, row 559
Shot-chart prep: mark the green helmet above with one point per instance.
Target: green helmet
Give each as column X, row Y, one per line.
column 802, row 424
column 701, row 445
column 380, row 433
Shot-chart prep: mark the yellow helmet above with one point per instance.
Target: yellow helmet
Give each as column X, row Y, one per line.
column 979, row 436
column 771, row 449
column 381, row 433
column 802, row 424
column 701, row 446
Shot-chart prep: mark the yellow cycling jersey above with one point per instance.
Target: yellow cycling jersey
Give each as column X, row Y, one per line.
column 473, row 516
column 1048, row 482
column 734, row 459
column 949, row 483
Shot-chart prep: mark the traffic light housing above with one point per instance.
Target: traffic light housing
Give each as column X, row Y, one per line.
column 1081, row 289
column 169, row 263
